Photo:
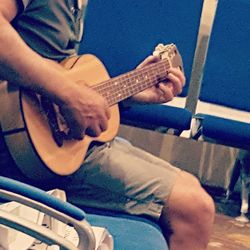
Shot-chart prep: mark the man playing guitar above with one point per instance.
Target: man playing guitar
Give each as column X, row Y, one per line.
column 35, row 36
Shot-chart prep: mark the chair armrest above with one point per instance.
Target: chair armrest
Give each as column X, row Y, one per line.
column 39, row 232
column 153, row 116
column 63, row 211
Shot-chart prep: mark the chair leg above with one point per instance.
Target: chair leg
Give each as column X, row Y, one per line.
column 234, row 178
column 244, row 196
column 245, row 183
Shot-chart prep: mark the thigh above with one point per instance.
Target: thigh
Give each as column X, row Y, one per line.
column 119, row 176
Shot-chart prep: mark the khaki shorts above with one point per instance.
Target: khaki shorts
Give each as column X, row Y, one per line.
column 118, row 176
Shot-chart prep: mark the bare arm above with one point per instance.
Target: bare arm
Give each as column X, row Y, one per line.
column 20, row 64
column 23, row 66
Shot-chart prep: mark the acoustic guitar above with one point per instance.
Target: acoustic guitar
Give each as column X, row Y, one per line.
column 34, row 130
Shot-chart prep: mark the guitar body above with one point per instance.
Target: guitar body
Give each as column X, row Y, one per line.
column 27, row 133
column 31, row 124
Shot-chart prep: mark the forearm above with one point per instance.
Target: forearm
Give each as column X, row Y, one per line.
column 21, row 65
column 84, row 110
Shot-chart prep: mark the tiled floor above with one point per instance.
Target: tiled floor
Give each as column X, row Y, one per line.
column 228, row 233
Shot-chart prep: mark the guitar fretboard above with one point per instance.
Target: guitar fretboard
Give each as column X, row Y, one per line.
column 121, row 87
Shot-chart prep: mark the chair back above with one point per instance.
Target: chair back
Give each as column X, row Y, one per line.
column 226, row 79
column 123, row 33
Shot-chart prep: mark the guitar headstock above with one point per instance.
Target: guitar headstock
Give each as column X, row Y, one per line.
column 171, row 53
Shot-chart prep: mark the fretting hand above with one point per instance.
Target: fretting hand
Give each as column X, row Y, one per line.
column 163, row 91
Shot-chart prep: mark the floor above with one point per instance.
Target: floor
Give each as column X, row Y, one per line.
column 228, row 233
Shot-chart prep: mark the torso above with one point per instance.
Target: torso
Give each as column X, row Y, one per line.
column 53, row 28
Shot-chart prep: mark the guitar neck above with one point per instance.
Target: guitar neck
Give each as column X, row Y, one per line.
column 121, row 87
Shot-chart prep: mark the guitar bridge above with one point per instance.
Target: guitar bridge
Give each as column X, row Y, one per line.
column 57, row 134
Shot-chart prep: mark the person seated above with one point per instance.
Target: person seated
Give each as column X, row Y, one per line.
column 114, row 175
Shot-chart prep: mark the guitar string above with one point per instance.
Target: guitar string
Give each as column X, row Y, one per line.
column 169, row 49
column 103, row 86
column 152, row 79
column 133, row 83
column 138, row 84
column 121, row 87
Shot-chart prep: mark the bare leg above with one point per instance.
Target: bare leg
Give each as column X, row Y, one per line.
column 190, row 213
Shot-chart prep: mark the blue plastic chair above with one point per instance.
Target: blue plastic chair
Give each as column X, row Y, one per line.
column 123, row 33
column 226, row 75
column 128, row 232
column 225, row 83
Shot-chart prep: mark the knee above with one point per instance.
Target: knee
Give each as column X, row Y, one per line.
column 189, row 212
column 201, row 207
column 191, row 202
